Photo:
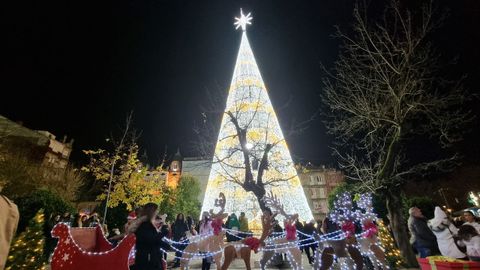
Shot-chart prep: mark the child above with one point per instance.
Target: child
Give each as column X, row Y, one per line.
column 469, row 237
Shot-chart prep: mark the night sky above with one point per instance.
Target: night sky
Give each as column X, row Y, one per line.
column 78, row 67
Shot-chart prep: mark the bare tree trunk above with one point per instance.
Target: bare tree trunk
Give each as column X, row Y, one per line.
column 399, row 228
column 258, row 190
column 259, row 194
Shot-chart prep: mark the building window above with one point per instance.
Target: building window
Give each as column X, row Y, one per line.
column 312, row 179
column 321, row 192
column 321, row 179
column 175, row 166
column 323, row 206
column 317, row 207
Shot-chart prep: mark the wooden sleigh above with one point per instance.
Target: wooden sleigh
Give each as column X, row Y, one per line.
column 87, row 248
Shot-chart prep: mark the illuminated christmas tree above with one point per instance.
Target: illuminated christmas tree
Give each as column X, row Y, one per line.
column 27, row 249
column 251, row 155
column 392, row 253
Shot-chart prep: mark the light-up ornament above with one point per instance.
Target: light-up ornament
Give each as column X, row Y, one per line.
column 243, row 20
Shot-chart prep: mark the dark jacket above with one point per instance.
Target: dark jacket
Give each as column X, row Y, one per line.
column 179, row 230
column 309, row 229
column 423, row 235
column 164, row 232
column 148, row 255
column 329, row 226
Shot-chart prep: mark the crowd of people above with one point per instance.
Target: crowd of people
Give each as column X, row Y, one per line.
column 151, row 227
column 444, row 236
column 79, row 220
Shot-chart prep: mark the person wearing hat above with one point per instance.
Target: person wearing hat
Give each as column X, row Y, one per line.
column 424, row 240
column 134, row 220
column 469, row 218
column 444, row 230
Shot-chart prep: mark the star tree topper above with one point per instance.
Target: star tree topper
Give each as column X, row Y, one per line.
column 243, row 20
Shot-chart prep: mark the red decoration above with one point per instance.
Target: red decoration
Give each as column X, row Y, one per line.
column 217, row 225
column 427, row 264
column 87, row 249
column 131, row 215
column 348, row 228
column 369, row 229
column 290, row 231
column 253, row 243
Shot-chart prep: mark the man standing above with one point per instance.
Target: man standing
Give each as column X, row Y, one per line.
column 424, row 240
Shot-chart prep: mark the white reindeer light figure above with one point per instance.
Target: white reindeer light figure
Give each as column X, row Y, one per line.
column 287, row 244
column 208, row 244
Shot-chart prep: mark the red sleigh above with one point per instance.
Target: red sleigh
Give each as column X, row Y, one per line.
column 87, row 248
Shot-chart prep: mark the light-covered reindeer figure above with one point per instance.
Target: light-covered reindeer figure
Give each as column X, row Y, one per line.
column 369, row 240
column 343, row 245
column 211, row 244
column 287, row 244
column 243, row 249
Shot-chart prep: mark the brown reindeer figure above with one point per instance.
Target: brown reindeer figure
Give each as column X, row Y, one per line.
column 369, row 241
column 287, row 244
column 368, row 245
column 341, row 249
column 211, row 243
column 242, row 249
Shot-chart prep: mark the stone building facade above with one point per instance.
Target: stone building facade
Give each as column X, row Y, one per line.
column 317, row 184
column 39, row 146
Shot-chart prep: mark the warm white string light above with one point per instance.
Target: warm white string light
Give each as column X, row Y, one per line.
column 248, row 99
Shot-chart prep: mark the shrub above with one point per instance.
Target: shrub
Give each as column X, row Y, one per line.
column 30, row 204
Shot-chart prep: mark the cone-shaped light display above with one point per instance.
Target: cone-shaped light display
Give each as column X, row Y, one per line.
column 250, row 105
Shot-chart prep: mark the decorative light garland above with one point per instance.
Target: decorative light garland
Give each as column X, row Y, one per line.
column 362, row 214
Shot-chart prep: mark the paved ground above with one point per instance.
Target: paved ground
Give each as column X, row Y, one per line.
column 239, row 264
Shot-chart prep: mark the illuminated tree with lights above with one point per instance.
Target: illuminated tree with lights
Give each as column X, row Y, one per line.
column 251, row 155
column 27, row 249
column 388, row 243
column 384, row 92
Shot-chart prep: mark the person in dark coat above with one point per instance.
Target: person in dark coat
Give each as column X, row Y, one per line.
column 179, row 233
column 148, row 255
column 425, row 241
column 299, row 225
column 328, row 226
column 309, row 229
column 164, row 231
